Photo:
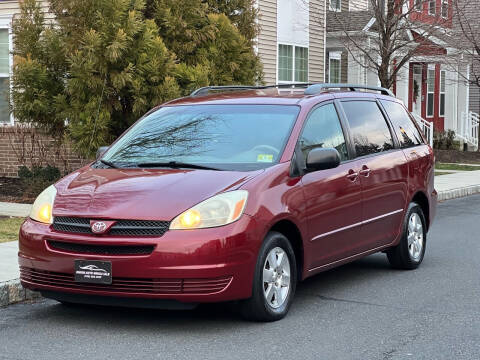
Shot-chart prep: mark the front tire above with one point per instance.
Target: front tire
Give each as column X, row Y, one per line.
column 274, row 280
column 409, row 253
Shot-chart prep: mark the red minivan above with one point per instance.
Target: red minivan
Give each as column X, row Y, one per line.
column 235, row 193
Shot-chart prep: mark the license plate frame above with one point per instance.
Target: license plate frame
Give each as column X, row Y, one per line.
column 93, row 271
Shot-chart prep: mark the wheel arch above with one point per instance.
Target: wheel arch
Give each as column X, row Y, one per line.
column 422, row 200
column 290, row 230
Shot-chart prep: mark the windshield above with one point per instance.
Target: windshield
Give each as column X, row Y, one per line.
column 225, row 137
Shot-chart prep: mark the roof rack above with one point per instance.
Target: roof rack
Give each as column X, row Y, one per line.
column 207, row 89
column 316, row 89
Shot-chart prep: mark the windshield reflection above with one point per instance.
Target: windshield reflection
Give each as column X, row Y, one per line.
column 236, row 137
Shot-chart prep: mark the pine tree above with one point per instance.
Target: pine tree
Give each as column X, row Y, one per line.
column 242, row 13
column 39, row 71
column 212, row 48
column 100, row 68
column 230, row 58
column 104, row 63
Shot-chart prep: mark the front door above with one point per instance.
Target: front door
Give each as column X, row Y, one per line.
column 416, row 90
column 333, row 196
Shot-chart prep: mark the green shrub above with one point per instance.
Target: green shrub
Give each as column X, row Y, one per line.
column 104, row 63
column 444, row 140
column 37, row 178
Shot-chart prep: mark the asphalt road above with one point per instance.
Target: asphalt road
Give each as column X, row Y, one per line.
column 364, row 310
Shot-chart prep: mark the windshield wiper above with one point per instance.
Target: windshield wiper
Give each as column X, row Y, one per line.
column 108, row 163
column 176, row 165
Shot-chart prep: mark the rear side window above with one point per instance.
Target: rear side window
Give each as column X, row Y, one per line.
column 369, row 128
column 406, row 131
column 323, row 130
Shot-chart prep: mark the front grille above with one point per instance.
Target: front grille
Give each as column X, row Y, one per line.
column 127, row 285
column 101, row 249
column 120, row 228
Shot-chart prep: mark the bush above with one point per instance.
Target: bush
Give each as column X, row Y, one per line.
column 444, row 140
column 37, row 179
column 103, row 63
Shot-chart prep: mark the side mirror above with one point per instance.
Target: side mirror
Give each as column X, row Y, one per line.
column 101, row 150
column 322, row 159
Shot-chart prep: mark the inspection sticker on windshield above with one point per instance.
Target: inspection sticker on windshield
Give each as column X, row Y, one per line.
column 264, row 158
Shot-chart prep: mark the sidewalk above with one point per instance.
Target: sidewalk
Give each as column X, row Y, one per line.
column 458, row 184
column 14, row 209
column 10, row 289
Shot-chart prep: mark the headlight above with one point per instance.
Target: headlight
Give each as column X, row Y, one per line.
column 42, row 207
column 219, row 210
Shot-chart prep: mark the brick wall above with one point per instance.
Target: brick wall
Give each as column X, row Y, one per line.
column 22, row 145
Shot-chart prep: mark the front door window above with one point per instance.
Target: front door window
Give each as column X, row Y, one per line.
column 417, row 90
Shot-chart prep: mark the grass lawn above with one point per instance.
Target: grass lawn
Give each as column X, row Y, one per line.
column 442, row 173
column 9, row 227
column 440, row 166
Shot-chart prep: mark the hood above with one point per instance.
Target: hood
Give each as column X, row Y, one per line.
column 141, row 194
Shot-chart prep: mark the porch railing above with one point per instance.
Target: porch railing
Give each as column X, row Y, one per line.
column 426, row 126
column 469, row 128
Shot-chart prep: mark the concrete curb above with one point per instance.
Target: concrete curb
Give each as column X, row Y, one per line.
column 458, row 193
column 12, row 292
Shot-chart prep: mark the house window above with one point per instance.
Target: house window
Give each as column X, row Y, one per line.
column 4, row 76
column 301, row 64
column 335, row 5
column 292, row 63
column 334, row 66
column 430, row 91
column 432, row 4
column 445, row 9
column 419, row 5
column 443, row 77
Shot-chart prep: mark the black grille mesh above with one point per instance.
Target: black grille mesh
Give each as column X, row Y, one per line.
column 120, row 228
column 101, row 249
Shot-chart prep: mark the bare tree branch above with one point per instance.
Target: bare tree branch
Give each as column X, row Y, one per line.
column 396, row 36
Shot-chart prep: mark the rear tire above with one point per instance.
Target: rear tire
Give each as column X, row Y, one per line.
column 409, row 253
column 274, row 280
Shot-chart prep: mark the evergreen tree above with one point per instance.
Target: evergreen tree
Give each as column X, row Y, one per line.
column 207, row 42
column 39, row 71
column 242, row 13
column 230, row 58
column 104, row 63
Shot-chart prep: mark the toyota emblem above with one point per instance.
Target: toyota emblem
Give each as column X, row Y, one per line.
column 99, row 227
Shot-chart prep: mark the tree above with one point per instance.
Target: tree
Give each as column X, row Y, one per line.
column 242, row 13
column 394, row 35
column 39, row 69
column 466, row 38
column 213, row 48
column 104, row 63
column 466, row 35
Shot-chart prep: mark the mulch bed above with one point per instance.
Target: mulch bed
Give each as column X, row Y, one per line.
column 455, row 156
column 12, row 190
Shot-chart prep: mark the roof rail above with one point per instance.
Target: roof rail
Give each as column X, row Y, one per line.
column 318, row 88
column 207, row 89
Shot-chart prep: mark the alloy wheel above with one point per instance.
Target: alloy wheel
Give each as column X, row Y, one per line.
column 276, row 277
column 415, row 236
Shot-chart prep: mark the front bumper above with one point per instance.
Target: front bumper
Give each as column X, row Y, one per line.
column 204, row 265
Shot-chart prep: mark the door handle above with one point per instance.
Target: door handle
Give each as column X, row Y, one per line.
column 365, row 171
column 352, row 175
